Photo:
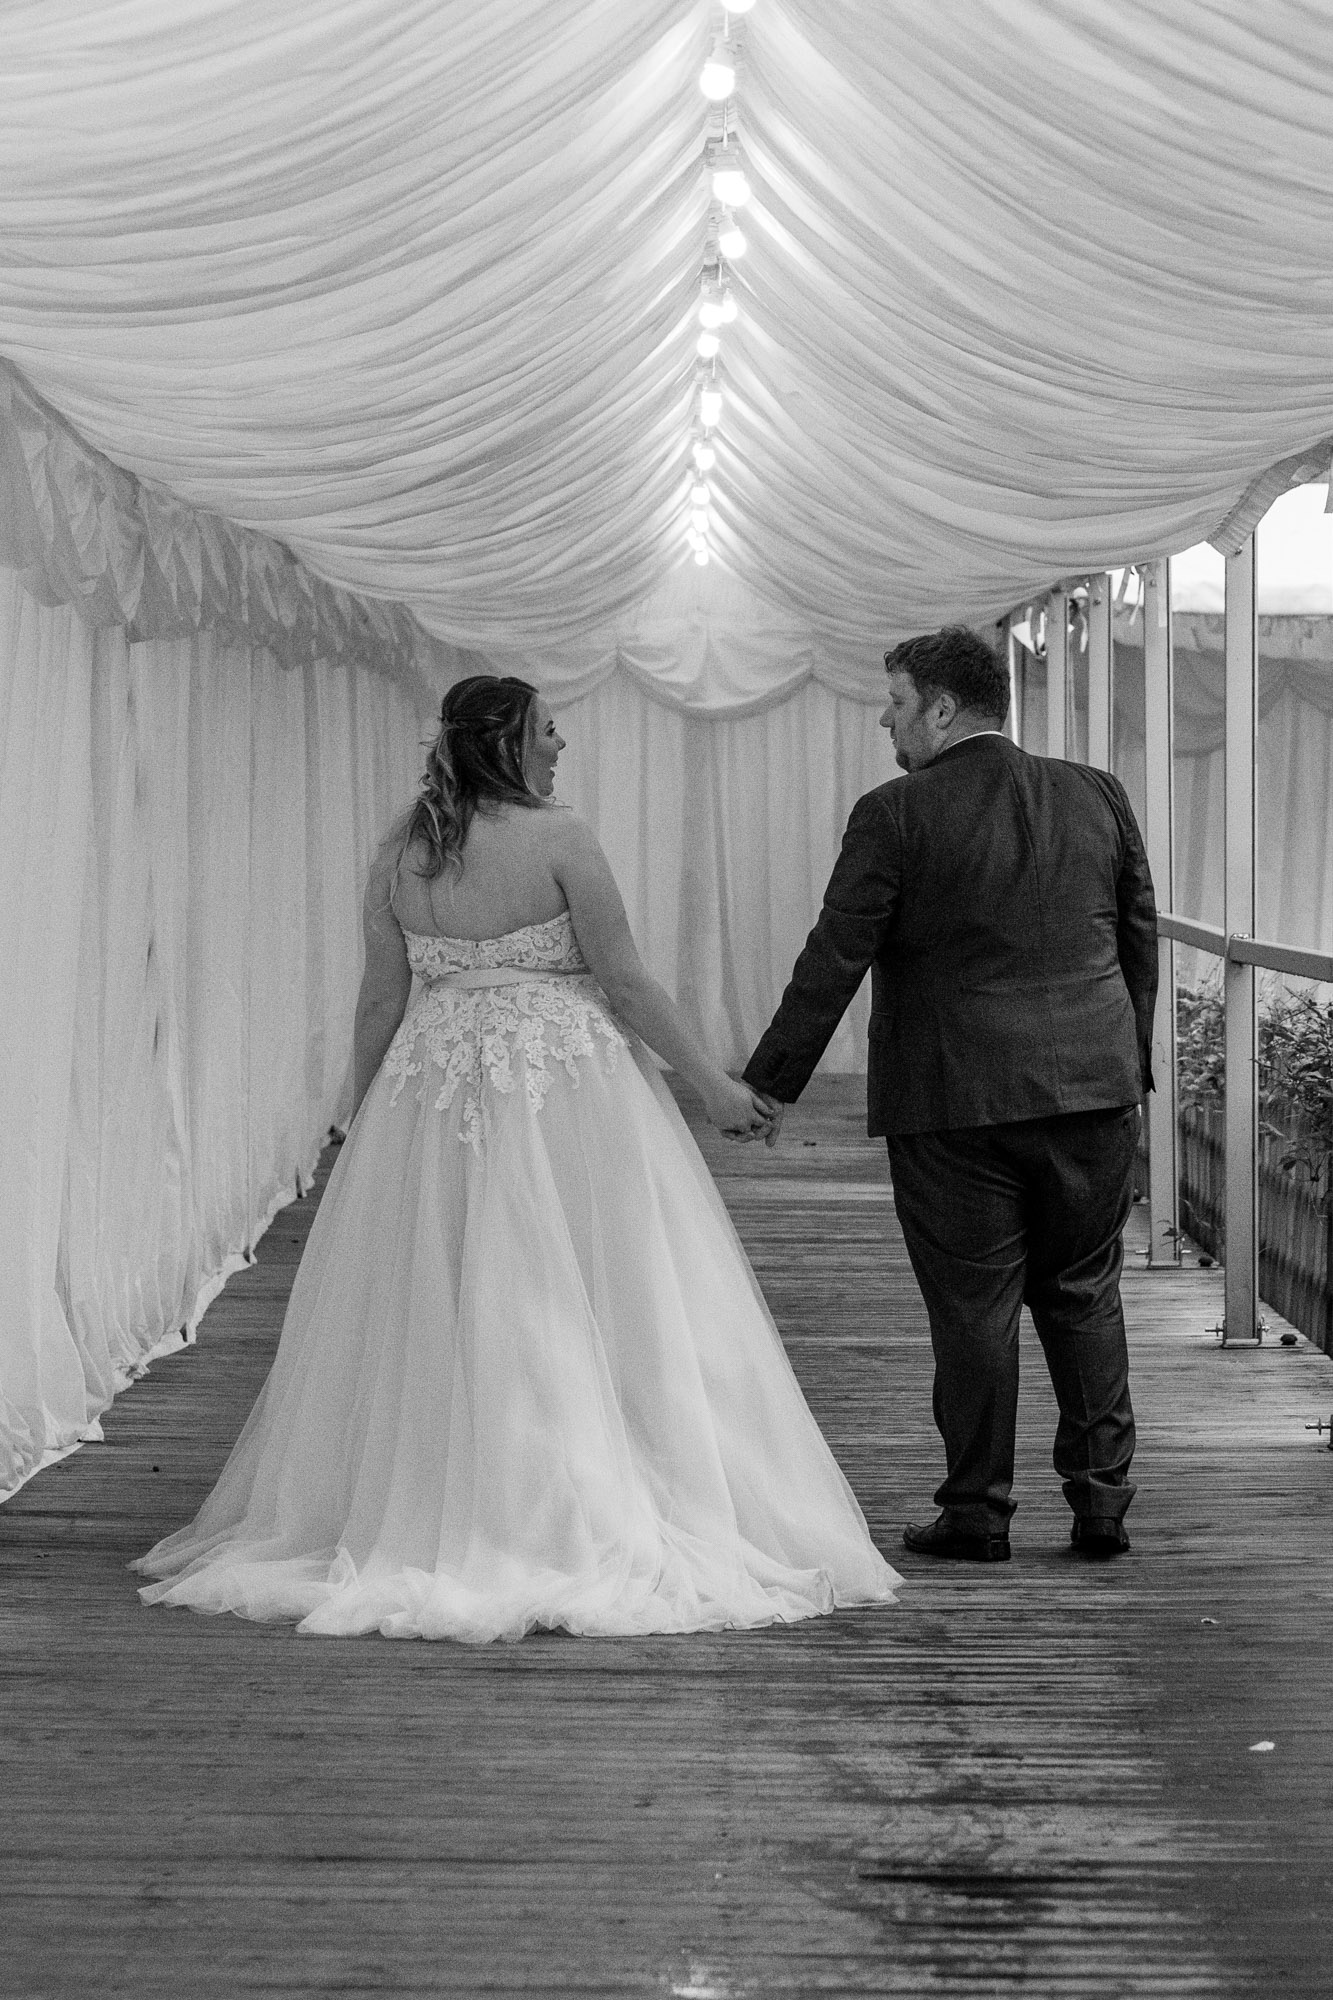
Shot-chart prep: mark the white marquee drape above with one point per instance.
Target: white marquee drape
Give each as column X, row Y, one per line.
column 722, row 835
column 1034, row 287
column 705, row 644
column 45, row 750
column 79, row 530
column 183, row 831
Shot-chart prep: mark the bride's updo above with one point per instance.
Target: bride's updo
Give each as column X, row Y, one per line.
column 477, row 760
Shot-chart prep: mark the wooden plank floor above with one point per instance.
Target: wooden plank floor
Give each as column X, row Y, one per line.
column 1031, row 1780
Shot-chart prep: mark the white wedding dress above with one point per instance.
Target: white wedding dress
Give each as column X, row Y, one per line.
column 526, row 1376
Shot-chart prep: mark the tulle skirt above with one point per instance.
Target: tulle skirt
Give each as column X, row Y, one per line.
column 526, row 1378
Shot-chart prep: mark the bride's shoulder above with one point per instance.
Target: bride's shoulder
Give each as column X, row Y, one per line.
column 564, row 829
column 392, row 840
column 393, row 850
column 577, row 861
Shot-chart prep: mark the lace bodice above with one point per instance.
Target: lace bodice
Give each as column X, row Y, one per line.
column 489, row 1039
column 546, row 947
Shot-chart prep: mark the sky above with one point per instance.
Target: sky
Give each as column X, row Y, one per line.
column 1295, row 560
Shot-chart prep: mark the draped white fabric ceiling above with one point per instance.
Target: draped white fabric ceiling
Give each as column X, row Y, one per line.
column 1031, row 288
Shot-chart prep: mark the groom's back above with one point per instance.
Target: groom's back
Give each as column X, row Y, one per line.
column 999, row 991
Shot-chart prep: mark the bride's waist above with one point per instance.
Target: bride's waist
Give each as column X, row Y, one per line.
column 472, row 978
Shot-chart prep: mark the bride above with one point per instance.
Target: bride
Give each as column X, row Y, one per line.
column 526, row 1377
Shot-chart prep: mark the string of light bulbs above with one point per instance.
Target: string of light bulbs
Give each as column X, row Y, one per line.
column 717, row 307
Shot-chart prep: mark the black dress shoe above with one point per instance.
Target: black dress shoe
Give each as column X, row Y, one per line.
column 1094, row 1537
column 937, row 1538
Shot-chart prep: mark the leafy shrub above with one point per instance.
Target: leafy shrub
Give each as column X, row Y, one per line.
column 1201, row 1063
column 1295, row 1073
column 1299, row 1059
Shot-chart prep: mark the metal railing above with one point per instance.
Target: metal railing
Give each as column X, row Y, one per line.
column 1241, row 950
column 1242, row 954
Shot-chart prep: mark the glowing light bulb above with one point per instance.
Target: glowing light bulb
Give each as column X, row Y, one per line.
column 717, row 79
column 739, row 6
column 707, row 346
column 730, row 186
column 695, row 538
column 729, row 308
column 699, row 518
column 704, row 455
column 710, row 404
column 712, row 309
column 701, row 557
column 730, row 241
column 700, row 495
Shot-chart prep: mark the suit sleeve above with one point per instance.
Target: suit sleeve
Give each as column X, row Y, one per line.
column 859, row 905
column 1136, row 929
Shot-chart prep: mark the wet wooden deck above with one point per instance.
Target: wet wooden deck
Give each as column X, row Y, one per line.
column 1032, row 1780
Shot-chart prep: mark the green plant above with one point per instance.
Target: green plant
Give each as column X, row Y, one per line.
column 1295, row 1049
column 1299, row 1080
column 1200, row 1047
column 1295, row 1085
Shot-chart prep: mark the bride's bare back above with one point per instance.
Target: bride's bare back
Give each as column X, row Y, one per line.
column 507, row 882
column 524, row 866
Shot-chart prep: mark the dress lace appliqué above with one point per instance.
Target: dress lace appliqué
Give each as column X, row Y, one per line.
column 494, row 1038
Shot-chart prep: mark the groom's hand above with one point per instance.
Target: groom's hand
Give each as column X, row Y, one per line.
column 737, row 1111
column 775, row 1109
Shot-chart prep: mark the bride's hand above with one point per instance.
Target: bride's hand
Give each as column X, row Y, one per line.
column 737, row 1110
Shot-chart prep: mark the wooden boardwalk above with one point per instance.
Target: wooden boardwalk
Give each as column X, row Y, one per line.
column 1035, row 1780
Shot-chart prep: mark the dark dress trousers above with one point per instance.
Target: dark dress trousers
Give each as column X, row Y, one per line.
column 1003, row 905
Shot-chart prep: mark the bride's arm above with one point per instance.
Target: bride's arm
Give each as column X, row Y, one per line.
column 605, row 939
column 386, row 981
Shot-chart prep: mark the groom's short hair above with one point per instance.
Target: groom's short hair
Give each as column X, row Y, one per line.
column 955, row 661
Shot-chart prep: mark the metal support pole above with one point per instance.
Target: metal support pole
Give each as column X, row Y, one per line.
column 1057, row 674
column 1159, row 839
column 1099, row 671
column 1014, row 723
column 1241, row 1248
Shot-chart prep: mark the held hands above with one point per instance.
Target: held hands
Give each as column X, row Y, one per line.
column 742, row 1113
column 775, row 1108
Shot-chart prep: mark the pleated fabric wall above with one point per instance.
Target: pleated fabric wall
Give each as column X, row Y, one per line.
column 722, row 830
column 184, row 830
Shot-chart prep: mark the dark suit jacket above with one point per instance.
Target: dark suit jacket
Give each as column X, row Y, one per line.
column 1004, row 906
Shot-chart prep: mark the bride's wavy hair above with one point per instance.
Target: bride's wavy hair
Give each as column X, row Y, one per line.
column 476, row 761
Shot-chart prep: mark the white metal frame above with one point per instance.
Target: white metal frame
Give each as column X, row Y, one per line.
column 1013, row 724
column 1241, row 1129
column 1159, row 835
column 1241, row 952
column 1057, row 674
column 1100, row 671
column 1292, row 958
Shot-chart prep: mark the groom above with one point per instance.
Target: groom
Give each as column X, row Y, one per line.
column 1004, row 906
